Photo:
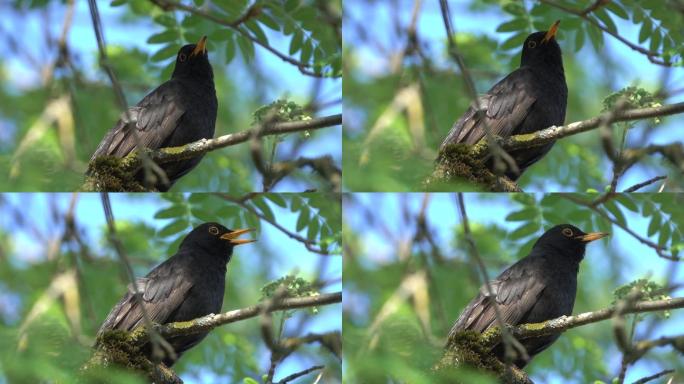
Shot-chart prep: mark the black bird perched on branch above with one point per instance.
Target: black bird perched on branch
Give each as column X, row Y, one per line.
column 539, row 287
column 190, row 284
column 180, row 111
column 529, row 99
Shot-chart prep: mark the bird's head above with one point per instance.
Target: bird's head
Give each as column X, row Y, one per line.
column 192, row 61
column 216, row 238
column 569, row 240
column 541, row 48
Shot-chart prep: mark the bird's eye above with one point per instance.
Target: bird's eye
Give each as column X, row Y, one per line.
column 567, row 232
column 182, row 57
column 213, row 230
column 531, row 44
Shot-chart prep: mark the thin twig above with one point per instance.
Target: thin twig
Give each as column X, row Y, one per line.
column 638, row 186
column 509, row 342
column 299, row 374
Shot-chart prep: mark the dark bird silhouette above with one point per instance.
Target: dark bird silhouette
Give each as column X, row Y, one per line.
column 190, row 284
column 529, row 99
column 180, row 111
column 539, row 287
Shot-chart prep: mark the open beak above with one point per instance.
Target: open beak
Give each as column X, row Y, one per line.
column 552, row 32
column 592, row 236
column 231, row 237
column 201, row 47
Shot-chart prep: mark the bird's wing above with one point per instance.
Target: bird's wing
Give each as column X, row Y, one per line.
column 155, row 118
column 162, row 292
column 503, row 107
column 516, row 291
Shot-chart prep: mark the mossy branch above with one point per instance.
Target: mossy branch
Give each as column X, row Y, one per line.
column 209, row 322
column 474, row 349
column 455, row 163
column 128, row 348
column 114, row 175
column 525, row 331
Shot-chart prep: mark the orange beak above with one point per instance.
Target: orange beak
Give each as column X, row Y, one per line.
column 593, row 236
column 231, row 237
column 201, row 47
column 552, row 32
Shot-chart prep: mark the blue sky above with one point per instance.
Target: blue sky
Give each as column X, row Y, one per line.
column 443, row 218
column 292, row 256
column 631, row 68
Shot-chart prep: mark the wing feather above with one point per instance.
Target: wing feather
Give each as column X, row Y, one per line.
column 504, row 107
column 154, row 118
column 163, row 291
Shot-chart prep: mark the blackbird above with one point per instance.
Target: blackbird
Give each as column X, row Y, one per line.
column 180, row 111
column 529, row 99
column 539, row 287
column 190, row 284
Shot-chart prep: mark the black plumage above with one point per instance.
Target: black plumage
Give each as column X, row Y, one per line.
column 190, row 284
column 529, row 99
column 180, row 111
column 539, row 287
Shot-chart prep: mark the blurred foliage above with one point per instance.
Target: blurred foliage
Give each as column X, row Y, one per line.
column 58, row 281
column 402, row 95
column 52, row 124
column 404, row 288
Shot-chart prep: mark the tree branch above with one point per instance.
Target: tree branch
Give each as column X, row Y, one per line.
column 467, row 162
column 549, row 135
column 99, row 173
column 209, row 322
column 550, row 327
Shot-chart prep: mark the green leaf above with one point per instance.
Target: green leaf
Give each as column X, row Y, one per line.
column 654, row 226
column 514, row 41
column 617, row 10
column 656, row 39
column 163, row 37
column 230, row 49
column 269, row 21
column 296, row 42
column 165, row 53
column 249, row 380
column 524, row 230
column 645, row 30
column 173, row 228
column 615, row 210
column 198, row 198
column 117, row 3
column 172, row 211
column 257, row 31
column 165, row 20
column 203, row 215
column 277, row 199
column 312, row 232
column 664, row 236
column 303, row 219
column 579, row 39
column 263, row 208
column 246, row 47
column 626, row 201
column 525, row 214
column 607, row 21
column 513, row 25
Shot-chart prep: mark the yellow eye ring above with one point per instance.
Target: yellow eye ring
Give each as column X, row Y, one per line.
column 567, row 232
column 213, row 230
column 532, row 44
